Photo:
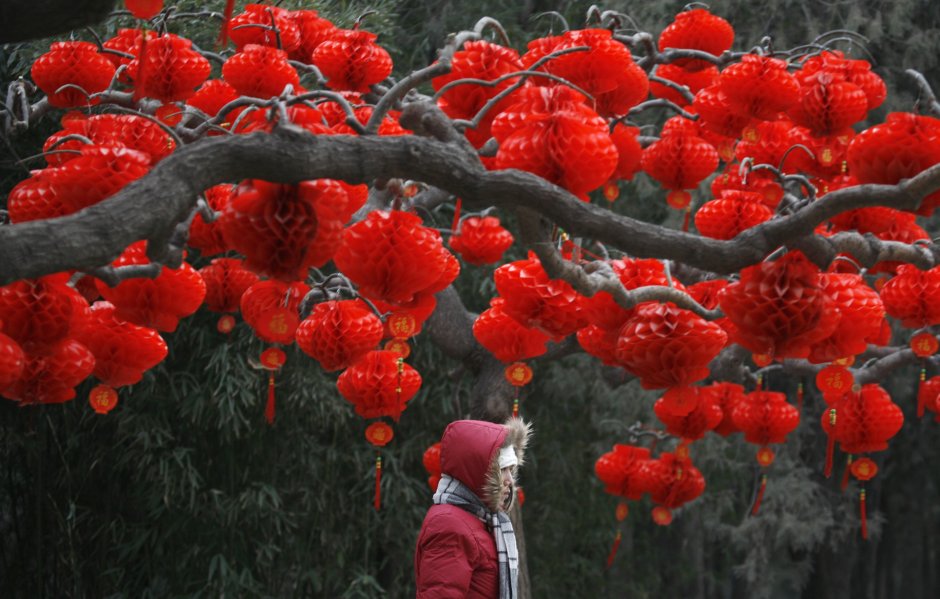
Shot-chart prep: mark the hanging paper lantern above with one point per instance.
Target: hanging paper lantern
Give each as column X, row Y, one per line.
column 726, row 396
column 481, row 240
column 732, row 213
column 535, row 301
column 779, row 308
column 405, row 322
column 432, row 463
column 52, row 377
column 911, row 296
column 379, row 434
column 144, row 9
column 679, row 162
column 603, row 311
column 352, row 61
column 226, row 281
column 123, row 351
column 338, row 333
column 694, row 81
column 705, row 416
column 392, row 257
column 504, row 337
column 834, row 381
column 928, row 396
column 861, row 312
column 170, row 70
column 757, row 181
column 629, row 154
column 600, row 343
column 380, row 384
column 102, row 399
column 672, row 481
column 126, row 41
column 550, row 132
column 716, row 113
column 865, row 419
column 620, row 471
column 271, row 309
column 39, row 314
column 206, row 237
column 72, row 63
column 12, row 361
column 828, row 103
column 260, row 72
column 697, row 29
column 759, row 86
column 856, row 72
column 265, row 25
column 114, row 130
column 156, row 303
column 765, row 418
column 606, row 70
column 313, row 29
column 212, row 97
column 666, row 346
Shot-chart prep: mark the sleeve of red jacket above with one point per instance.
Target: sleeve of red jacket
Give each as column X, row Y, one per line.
column 445, row 563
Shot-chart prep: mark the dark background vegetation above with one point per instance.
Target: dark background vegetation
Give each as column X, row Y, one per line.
column 183, row 490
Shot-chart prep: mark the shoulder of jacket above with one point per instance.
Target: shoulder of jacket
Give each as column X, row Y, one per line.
column 455, row 523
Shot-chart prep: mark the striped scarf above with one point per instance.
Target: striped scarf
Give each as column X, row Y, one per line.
column 451, row 491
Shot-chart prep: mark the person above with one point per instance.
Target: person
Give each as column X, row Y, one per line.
column 467, row 547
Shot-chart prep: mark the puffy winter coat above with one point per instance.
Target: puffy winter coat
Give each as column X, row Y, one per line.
column 456, row 554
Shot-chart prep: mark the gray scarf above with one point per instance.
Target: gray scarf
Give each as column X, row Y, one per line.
column 451, row 491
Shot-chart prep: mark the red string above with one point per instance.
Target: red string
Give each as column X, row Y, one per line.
column 269, row 407
column 799, row 396
column 845, row 475
column 830, row 444
column 378, row 483
column 227, row 16
column 456, row 222
column 141, row 64
column 760, row 495
column 686, row 218
column 921, row 395
column 515, row 403
column 861, row 507
column 613, row 549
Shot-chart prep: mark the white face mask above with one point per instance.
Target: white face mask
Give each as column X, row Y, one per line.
column 507, row 457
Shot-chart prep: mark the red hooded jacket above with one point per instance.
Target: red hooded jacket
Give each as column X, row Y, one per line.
column 456, row 553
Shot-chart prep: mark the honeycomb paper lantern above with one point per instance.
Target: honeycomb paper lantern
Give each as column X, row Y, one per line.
column 380, row 384
column 505, row 338
column 12, row 361
column 255, row 25
column 226, row 281
column 208, row 238
column 169, row 71
column 765, row 417
column 260, row 72
column 705, row 416
column 432, row 464
column 620, row 471
column 338, row 333
column 352, row 61
column 911, row 296
column 726, row 396
column 52, row 376
column 601, row 309
column 862, row 312
column 72, row 63
column 481, row 240
column 123, row 351
column 672, row 481
column 865, row 419
column 113, row 130
column 40, row 314
column 759, row 86
column 271, row 309
column 697, row 29
column 313, row 29
column 732, row 213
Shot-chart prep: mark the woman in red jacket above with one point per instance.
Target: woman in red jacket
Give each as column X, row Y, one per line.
column 467, row 547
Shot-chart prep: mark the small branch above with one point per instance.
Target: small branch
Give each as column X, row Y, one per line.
column 662, row 103
column 111, row 276
column 927, row 100
column 679, row 88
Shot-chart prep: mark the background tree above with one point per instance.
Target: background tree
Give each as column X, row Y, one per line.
column 185, row 480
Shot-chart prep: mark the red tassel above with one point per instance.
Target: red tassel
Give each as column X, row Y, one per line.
column 456, row 221
column 515, row 403
column 613, row 549
column 845, row 475
column 269, row 407
column 861, row 507
column 921, row 396
column 830, row 445
column 760, row 495
column 378, row 483
column 226, row 17
column 686, row 218
column 141, row 65
column 799, row 396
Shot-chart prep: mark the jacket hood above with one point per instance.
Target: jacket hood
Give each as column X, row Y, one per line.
column 469, row 451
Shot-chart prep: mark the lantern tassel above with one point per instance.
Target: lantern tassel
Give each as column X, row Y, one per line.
column 515, row 403
column 141, row 64
column 613, row 549
column 227, row 16
column 269, row 407
column 921, row 395
column 799, row 396
column 378, row 483
column 686, row 219
column 863, row 513
column 456, row 222
column 760, row 495
column 845, row 475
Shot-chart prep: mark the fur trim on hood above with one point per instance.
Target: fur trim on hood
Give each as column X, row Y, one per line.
column 517, row 437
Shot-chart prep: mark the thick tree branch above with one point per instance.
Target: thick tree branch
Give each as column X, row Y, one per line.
column 22, row 20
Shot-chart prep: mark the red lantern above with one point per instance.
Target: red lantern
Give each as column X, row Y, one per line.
column 779, row 308
column 928, row 396
column 314, row 30
column 667, row 346
column 504, row 337
column 861, row 312
column 52, row 377
column 126, row 41
column 123, row 351
column 828, row 103
column 834, row 380
column 12, row 361
column 156, row 303
column 170, row 70
column 716, row 113
column 620, row 471
column 550, row 132
column 338, row 333
column 629, row 151
column 911, row 296
column 481, row 240
column 72, row 63
column 732, row 213
column 705, row 416
column 392, row 257
column 602, row 310
column 352, row 61
column 271, row 309
column 679, row 161
column 600, row 343
column 226, row 281
column 260, row 72
column 760, row 86
column 536, row 301
column 102, row 399
column 212, row 97
column 727, row 396
column 697, row 29
column 265, row 25
column 379, row 434
column 765, row 417
column 206, row 237
column 380, row 384
column 144, row 9
column 114, row 130
column 672, row 481
column 864, row 420
column 694, row 81
column 432, row 463
column 39, row 314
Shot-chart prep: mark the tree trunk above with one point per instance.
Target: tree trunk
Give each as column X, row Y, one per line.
column 22, row 20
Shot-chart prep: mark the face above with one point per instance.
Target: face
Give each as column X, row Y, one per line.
column 506, row 478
